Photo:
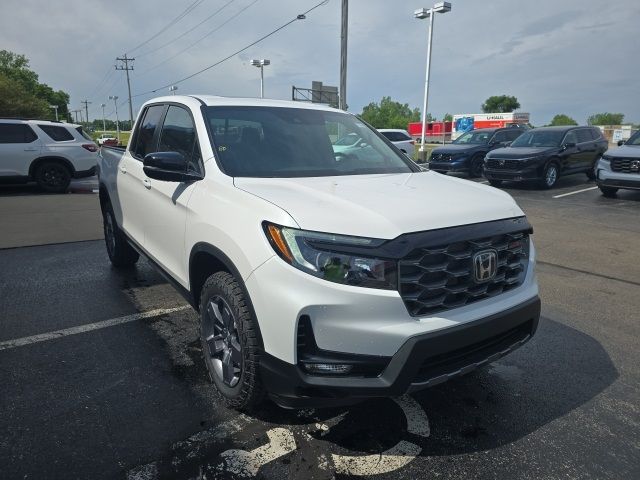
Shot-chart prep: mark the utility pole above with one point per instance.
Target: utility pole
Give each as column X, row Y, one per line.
column 115, row 104
column 343, row 55
column 124, row 65
column 104, row 128
column 86, row 108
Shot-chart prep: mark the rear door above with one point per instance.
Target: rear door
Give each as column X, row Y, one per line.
column 19, row 146
column 587, row 149
column 167, row 201
column 132, row 182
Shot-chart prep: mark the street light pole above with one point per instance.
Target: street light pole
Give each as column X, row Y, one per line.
column 173, row 89
column 342, row 99
column 261, row 64
column 55, row 107
column 115, row 103
column 440, row 7
column 104, row 123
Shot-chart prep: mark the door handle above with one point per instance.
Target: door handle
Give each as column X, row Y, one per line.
column 30, row 149
column 122, row 169
column 146, row 183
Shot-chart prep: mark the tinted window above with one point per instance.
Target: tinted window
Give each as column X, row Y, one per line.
column 571, row 137
column 477, row 137
column 58, row 134
column 84, row 134
column 179, row 135
column 584, row 135
column 396, row 136
column 16, row 133
column 513, row 134
column 146, row 129
column 500, row 137
column 539, row 138
column 596, row 133
column 298, row 142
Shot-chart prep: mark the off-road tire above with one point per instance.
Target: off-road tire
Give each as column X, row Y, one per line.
column 249, row 392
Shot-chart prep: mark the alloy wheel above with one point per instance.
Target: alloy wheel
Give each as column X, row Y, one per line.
column 551, row 175
column 220, row 334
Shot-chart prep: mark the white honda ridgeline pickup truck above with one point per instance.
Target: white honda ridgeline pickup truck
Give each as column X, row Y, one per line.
column 322, row 276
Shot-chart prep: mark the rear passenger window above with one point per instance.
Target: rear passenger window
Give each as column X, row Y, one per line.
column 16, row 133
column 179, row 135
column 58, row 134
column 596, row 133
column 144, row 138
column 584, row 135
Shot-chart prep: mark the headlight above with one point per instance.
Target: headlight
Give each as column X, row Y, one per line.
column 321, row 255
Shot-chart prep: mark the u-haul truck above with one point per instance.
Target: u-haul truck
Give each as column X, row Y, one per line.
column 472, row 121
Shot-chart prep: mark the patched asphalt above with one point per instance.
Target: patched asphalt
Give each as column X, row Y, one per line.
column 134, row 401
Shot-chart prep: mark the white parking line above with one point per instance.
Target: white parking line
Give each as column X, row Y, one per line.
column 43, row 337
column 573, row 193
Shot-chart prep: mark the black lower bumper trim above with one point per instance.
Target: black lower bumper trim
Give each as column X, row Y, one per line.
column 423, row 361
column 85, row 173
column 625, row 184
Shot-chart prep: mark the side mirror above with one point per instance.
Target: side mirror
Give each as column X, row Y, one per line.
column 620, row 143
column 168, row 167
column 569, row 145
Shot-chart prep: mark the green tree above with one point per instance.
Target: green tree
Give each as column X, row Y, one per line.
column 500, row 104
column 390, row 114
column 28, row 95
column 562, row 119
column 447, row 117
column 606, row 119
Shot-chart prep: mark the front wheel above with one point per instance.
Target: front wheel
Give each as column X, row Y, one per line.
column 53, row 177
column 609, row 192
column 495, row 183
column 591, row 173
column 230, row 339
column 549, row 176
column 477, row 166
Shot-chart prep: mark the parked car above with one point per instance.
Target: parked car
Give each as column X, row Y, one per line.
column 544, row 154
column 350, row 141
column 401, row 139
column 313, row 280
column 467, row 152
column 107, row 139
column 49, row 153
column 620, row 167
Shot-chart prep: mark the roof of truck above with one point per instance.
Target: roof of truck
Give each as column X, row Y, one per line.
column 212, row 100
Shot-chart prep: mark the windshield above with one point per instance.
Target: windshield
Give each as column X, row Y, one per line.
column 474, row 138
column 634, row 139
column 299, row 142
column 539, row 138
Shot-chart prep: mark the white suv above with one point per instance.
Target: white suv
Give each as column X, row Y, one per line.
column 49, row 153
column 321, row 277
column 401, row 139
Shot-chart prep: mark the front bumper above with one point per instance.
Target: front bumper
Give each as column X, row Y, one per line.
column 525, row 174
column 421, row 362
column 608, row 178
column 457, row 165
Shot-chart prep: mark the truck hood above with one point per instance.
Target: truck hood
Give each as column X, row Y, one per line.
column 382, row 206
column 520, row 152
column 624, row 151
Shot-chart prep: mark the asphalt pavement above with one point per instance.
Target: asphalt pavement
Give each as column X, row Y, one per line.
column 102, row 375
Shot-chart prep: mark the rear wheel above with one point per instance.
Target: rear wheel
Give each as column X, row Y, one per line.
column 608, row 191
column 230, row 342
column 53, row 177
column 550, row 176
column 476, row 166
column 120, row 253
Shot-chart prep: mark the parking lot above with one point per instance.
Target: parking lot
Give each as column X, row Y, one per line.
column 102, row 375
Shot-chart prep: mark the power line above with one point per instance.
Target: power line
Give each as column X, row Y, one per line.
column 301, row 16
column 187, row 32
column 184, row 13
column 211, row 32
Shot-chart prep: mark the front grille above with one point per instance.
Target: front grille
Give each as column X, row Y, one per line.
column 624, row 165
column 441, row 157
column 504, row 163
column 434, row 279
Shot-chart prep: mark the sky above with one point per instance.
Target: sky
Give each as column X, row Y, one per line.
column 576, row 57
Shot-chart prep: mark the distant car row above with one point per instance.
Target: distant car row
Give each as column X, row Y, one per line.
column 541, row 155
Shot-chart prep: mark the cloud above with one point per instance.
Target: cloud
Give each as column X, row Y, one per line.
column 561, row 62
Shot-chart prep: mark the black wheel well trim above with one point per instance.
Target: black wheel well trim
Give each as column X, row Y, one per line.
column 220, row 256
column 103, row 195
column 54, row 158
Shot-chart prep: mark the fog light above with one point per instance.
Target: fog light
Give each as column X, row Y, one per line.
column 327, row 368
